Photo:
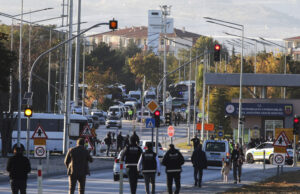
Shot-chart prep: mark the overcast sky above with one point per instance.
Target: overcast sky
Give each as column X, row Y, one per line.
column 273, row 19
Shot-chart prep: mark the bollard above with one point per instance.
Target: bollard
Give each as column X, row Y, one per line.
column 121, row 178
column 39, row 177
column 264, row 164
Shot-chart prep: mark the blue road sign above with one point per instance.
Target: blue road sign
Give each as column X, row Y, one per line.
column 150, row 123
column 220, row 133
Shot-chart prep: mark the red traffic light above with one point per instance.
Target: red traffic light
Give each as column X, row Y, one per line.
column 296, row 120
column 157, row 113
column 217, row 47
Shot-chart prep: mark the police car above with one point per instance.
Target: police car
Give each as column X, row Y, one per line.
column 257, row 153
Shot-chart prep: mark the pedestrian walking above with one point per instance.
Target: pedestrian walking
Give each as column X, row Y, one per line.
column 173, row 160
column 149, row 165
column 108, row 142
column 196, row 141
column 225, row 171
column 76, row 162
column 119, row 142
column 199, row 163
column 18, row 167
column 237, row 159
column 131, row 157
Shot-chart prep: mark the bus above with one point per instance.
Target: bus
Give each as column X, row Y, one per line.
column 53, row 125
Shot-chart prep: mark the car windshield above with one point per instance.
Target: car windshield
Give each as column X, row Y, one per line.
column 215, row 147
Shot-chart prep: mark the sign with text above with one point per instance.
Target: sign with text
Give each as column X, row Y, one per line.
column 260, row 109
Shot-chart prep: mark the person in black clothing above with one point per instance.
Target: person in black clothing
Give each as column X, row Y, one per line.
column 199, row 163
column 173, row 160
column 136, row 137
column 18, row 167
column 131, row 157
column 108, row 142
column 119, row 142
column 196, row 141
column 237, row 159
column 149, row 165
column 126, row 141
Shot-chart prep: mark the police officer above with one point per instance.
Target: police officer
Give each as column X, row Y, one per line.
column 149, row 164
column 131, row 157
column 173, row 160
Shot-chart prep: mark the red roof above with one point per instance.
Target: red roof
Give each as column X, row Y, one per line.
column 293, row 38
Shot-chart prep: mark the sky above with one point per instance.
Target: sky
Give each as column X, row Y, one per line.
column 271, row 19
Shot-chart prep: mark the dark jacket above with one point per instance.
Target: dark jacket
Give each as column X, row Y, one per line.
column 131, row 155
column 18, row 167
column 77, row 160
column 199, row 159
column 173, row 160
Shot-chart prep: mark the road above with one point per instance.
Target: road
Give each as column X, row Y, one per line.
column 102, row 182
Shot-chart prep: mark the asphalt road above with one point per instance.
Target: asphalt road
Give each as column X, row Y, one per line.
column 102, row 181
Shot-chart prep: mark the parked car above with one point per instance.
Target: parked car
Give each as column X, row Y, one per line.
column 257, row 153
column 216, row 152
column 113, row 121
column 161, row 152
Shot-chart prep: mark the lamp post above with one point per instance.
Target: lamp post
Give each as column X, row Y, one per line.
column 240, row 28
column 284, row 88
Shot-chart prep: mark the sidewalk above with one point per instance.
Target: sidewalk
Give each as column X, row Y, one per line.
column 55, row 166
column 217, row 186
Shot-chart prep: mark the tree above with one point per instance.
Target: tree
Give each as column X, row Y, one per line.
column 7, row 59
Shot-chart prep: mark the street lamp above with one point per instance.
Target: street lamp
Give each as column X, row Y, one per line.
column 284, row 88
column 240, row 28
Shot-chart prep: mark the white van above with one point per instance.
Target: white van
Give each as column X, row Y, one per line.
column 216, row 152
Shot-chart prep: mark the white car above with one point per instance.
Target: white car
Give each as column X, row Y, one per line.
column 257, row 153
column 113, row 121
column 161, row 152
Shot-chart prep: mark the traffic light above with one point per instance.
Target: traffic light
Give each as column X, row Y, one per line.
column 217, row 50
column 168, row 118
column 296, row 125
column 157, row 118
column 113, row 24
column 28, row 112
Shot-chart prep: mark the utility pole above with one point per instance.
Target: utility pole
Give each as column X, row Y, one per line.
column 68, row 83
column 165, row 13
column 77, row 56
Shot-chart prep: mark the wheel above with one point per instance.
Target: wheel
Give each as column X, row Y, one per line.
column 271, row 159
column 250, row 159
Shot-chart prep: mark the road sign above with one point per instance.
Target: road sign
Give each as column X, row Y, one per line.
column 39, row 133
column 40, row 151
column 150, row 123
column 279, row 159
column 220, row 133
column 152, row 106
column 282, row 140
column 88, row 144
column 207, row 126
column 86, row 132
column 171, row 131
column 39, row 141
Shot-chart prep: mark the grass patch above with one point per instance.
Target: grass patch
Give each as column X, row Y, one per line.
column 183, row 145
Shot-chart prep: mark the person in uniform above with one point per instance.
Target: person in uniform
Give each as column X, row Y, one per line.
column 131, row 157
column 173, row 160
column 149, row 165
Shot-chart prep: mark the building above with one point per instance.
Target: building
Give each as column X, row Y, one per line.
column 293, row 46
column 139, row 35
